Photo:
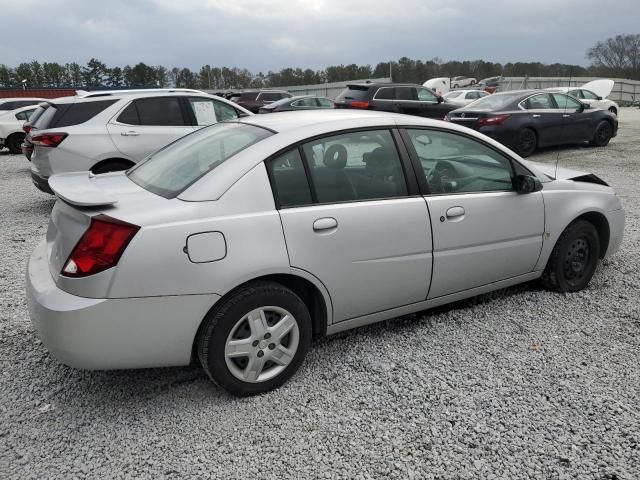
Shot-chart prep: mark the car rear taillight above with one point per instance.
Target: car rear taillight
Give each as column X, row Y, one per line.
column 100, row 247
column 48, row 139
column 493, row 120
column 26, row 128
column 359, row 104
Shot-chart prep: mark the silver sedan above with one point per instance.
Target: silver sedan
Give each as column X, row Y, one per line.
column 241, row 242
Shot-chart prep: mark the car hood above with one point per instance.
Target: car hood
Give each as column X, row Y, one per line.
column 561, row 173
column 601, row 87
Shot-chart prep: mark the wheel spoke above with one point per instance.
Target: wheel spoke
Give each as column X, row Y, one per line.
column 282, row 356
column 283, row 327
column 238, row 348
column 254, row 368
column 257, row 323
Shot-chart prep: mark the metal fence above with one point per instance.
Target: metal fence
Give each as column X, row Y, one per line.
column 624, row 90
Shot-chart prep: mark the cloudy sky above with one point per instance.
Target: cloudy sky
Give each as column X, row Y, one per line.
column 272, row 34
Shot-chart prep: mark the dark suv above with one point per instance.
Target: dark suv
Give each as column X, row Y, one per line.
column 394, row 97
column 255, row 99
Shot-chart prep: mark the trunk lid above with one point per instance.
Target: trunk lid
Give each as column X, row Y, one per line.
column 601, row 87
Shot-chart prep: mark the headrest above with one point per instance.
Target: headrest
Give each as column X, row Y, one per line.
column 377, row 157
column 335, row 157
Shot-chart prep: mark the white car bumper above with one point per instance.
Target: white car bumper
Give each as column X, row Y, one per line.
column 103, row 334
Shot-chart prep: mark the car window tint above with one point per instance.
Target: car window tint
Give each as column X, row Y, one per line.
column 160, row 111
column 471, row 95
column 565, row 102
column 355, row 166
column 406, row 93
column 7, row 106
column 589, row 95
column 453, row 163
column 325, row 103
column 271, row 96
column 289, row 179
column 539, row 102
column 304, row 102
column 385, row 93
column 77, row 113
column 425, row 95
column 21, row 116
column 576, row 93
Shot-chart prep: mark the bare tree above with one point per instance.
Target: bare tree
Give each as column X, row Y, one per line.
column 620, row 54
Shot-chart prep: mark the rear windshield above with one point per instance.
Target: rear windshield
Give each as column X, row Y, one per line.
column 68, row 114
column 173, row 169
column 493, row 102
column 354, row 92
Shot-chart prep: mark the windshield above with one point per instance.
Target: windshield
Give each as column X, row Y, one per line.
column 173, row 169
column 492, row 102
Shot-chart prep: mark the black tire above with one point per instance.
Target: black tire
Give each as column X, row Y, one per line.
column 602, row 135
column 14, row 142
column 223, row 319
column 111, row 166
column 526, row 142
column 574, row 258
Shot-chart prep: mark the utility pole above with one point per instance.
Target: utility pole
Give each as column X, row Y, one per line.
column 390, row 72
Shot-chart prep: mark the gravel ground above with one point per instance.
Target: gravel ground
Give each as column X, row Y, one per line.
column 520, row 383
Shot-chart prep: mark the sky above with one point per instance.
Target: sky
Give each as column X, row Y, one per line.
column 273, row 34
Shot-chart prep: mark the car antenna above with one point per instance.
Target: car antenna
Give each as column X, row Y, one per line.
column 555, row 175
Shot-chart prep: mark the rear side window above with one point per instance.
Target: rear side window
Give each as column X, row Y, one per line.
column 156, row 111
column 539, row 102
column 173, row 169
column 69, row 114
column 289, row 179
column 24, row 115
column 385, row 93
column 406, row 93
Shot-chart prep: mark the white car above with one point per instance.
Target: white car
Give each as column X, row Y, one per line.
column 459, row 82
column 11, row 133
column 105, row 132
column 594, row 93
column 440, row 85
column 464, row 97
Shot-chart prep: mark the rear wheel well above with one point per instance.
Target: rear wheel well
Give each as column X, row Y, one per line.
column 613, row 110
column 308, row 293
column 120, row 162
column 599, row 221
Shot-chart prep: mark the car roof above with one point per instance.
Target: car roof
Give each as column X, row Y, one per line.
column 133, row 94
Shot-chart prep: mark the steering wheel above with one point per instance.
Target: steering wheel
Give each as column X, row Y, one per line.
column 440, row 172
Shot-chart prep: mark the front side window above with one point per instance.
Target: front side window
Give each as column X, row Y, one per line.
column 291, row 187
column 453, row 163
column 425, row 95
column 355, row 166
column 539, row 102
column 565, row 102
column 173, row 169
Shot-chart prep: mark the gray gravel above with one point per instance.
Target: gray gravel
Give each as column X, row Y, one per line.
column 521, row 383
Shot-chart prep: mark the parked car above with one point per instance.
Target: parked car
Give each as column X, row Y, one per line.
column 490, row 84
column 113, row 132
column 440, row 85
column 527, row 119
column 300, row 102
column 253, row 100
column 242, row 241
column 594, row 93
column 464, row 97
column 11, row 133
column 459, row 82
column 7, row 104
column 394, row 97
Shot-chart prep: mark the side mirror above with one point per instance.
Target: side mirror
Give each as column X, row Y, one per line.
column 598, row 97
column 527, row 184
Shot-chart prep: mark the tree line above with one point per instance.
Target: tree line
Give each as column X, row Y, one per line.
column 615, row 57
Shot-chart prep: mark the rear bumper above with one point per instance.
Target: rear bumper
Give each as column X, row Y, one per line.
column 104, row 334
column 41, row 183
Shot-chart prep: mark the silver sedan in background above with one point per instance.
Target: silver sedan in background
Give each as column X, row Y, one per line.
column 243, row 240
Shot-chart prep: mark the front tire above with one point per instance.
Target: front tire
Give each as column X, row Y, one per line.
column 526, row 142
column 254, row 340
column 574, row 258
column 602, row 135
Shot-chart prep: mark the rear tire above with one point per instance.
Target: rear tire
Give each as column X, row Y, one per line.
column 574, row 258
column 602, row 135
column 526, row 142
column 111, row 166
column 241, row 344
column 14, row 143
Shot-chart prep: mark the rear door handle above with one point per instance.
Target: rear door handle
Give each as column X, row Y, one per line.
column 535, row 115
column 324, row 224
column 566, row 115
column 130, row 133
column 455, row 212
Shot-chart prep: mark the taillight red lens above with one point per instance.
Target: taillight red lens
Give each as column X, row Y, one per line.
column 26, row 128
column 100, row 247
column 493, row 120
column 48, row 139
column 358, row 104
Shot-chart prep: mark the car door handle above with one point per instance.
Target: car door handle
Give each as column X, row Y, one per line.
column 566, row 115
column 130, row 133
column 455, row 212
column 324, row 224
column 535, row 115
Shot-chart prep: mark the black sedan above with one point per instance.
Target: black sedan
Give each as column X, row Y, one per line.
column 300, row 102
column 527, row 119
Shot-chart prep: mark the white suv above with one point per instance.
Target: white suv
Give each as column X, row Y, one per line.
column 109, row 131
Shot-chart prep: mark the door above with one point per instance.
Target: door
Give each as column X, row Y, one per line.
column 576, row 122
column 148, row 124
column 349, row 220
column 430, row 104
column 545, row 117
column 406, row 101
column 483, row 231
